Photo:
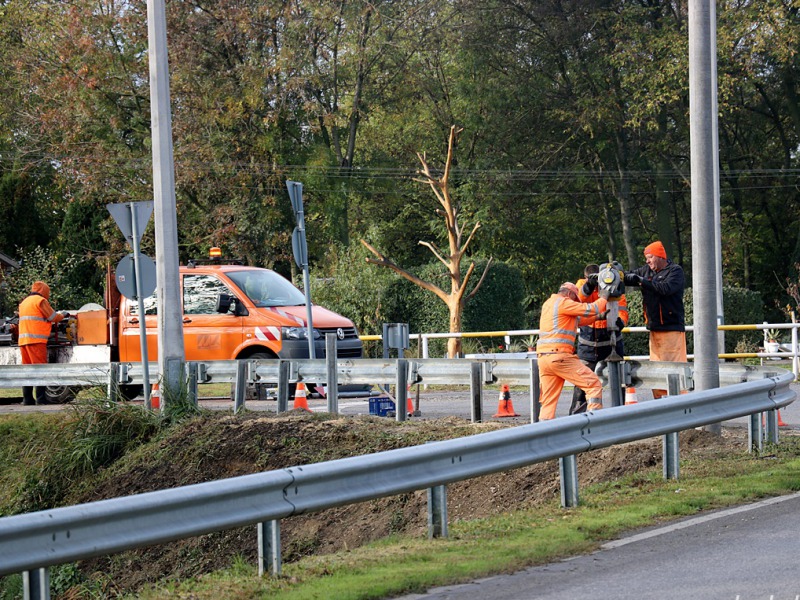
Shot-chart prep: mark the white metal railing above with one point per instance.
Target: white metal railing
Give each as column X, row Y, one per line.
column 789, row 350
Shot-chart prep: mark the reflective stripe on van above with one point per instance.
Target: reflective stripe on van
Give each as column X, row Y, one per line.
column 268, row 334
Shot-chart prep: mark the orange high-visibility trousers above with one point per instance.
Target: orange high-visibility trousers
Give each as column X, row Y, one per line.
column 667, row 346
column 554, row 369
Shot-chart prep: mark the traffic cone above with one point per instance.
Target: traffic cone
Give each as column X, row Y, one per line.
column 155, row 397
column 505, row 408
column 630, row 396
column 300, row 400
column 781, row 423
column 409, row 403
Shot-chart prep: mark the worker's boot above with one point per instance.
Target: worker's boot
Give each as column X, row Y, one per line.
column 27, row 396
column 41, row 396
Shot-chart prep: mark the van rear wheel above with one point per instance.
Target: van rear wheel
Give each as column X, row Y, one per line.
column 60, row 394
column 265, row 391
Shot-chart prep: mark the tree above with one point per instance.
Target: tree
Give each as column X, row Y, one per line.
column 456, row 298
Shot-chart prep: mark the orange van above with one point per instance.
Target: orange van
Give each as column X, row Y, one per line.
column 234, row 311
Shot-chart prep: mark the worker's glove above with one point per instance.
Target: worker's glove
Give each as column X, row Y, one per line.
column 591, row 284
column 604, row 293
column 65, row 314
column 632, row 279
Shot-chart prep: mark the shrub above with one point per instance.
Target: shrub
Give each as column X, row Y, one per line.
column 739, row 305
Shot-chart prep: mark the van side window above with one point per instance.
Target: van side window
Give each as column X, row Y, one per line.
column 150, row 305
column 200, row 294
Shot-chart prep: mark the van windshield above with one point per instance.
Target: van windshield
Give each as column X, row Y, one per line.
column 267, row 288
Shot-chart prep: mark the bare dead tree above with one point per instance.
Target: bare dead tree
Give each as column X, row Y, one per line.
column 457, row 298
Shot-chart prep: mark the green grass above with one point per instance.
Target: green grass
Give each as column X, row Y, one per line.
column 510, row 542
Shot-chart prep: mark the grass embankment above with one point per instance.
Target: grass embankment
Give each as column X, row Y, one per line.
column 35, row 475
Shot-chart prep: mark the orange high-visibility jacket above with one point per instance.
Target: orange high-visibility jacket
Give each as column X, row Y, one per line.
column 36, row 317
column 558, row 325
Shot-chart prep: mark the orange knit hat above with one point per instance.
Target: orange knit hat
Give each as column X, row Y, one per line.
column 656, row 249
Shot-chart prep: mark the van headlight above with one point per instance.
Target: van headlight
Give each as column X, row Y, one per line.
column 298, row 333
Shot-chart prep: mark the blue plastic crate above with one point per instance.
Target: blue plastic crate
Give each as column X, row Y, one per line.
column 382, row 407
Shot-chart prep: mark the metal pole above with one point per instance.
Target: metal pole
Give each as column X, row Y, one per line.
column 568, row 470
column 534, row 390
column 670, row 453
column 400, row 397
column 437, row 512
column 332, row 378
column 140, row 303
column 269, row 548
column 704, row 281
column 284, row 367
column 168, row 292
column 476, row 391
column 240, row 389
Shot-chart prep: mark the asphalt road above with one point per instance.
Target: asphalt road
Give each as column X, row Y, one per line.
column 433, row 405
column 743, row 553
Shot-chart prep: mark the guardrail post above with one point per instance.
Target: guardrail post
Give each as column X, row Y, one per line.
column 476, row 392
column 113, row 382
column 771, row 419
column 401, row 391
column 332, row 378
column 240, row 387
column 437, row 511
column 568, row 470
column 36, row 584
column 755, row 439
column 269, row 548
column 191, row 382
column 671, row 448
column 284, row 367
column 534, row 390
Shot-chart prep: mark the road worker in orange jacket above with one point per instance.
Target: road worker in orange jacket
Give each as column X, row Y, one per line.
column 558, row 328
column 594, row 339
column 36, row 318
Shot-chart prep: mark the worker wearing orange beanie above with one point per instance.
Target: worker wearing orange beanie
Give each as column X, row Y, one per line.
column 662, row 282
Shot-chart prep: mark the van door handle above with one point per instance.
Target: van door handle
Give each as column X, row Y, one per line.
column 187, row 320
column 133, row 321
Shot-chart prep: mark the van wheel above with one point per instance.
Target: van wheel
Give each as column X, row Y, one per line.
column 129, row 392
column 265, row 391
column 60, row 394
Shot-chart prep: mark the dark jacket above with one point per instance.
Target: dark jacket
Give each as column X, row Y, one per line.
column 662, row 297
column 594, row 340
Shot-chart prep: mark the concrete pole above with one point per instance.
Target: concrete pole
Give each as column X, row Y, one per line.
column 701, row 125
column 717, row 211
column 170, row 319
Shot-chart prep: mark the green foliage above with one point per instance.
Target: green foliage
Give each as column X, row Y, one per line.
column 43, row 264
column 97, row 433
column 498, row 305
column 739, row 305
column 351, row 287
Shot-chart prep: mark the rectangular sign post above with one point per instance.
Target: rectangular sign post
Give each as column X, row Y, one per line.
column 300, row 250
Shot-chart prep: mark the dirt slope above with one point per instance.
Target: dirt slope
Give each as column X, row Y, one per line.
column 217, row 446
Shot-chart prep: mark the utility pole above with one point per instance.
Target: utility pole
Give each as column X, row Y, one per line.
column 171, row 355
column 702, row 125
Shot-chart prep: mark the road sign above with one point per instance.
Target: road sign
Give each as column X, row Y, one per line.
column 299, row 247
column 122, row 214
column 125, row 276
column 296, row 196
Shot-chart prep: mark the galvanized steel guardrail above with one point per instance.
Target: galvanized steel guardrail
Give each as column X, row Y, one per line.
column 37, row 540
column 434, row 371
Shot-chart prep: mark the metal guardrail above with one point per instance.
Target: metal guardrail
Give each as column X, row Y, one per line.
column 434, row 371
column 41, row 539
